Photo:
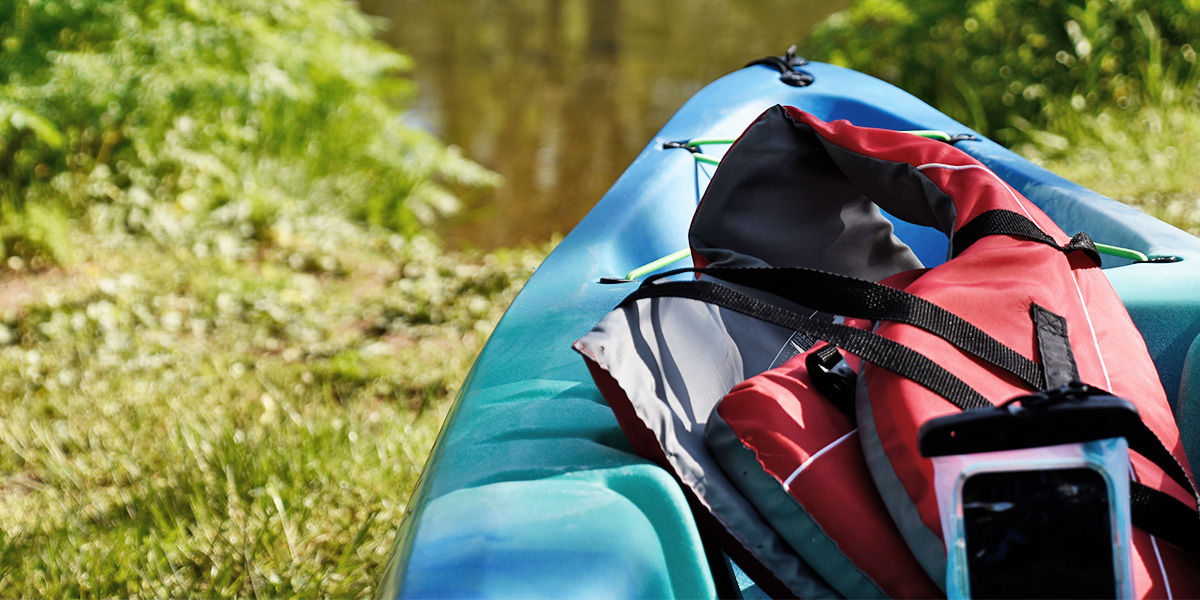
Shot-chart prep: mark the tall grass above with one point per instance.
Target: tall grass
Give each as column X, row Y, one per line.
column 1139, row 156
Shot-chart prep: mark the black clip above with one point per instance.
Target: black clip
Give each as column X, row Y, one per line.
column 683, row 144
column 785, row 64
column 1070, row 414
column 1076, row 391
column 832, row 377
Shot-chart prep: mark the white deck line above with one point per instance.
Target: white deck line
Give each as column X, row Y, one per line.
column 1092, row 331
column 1007, row 187
column 787, row 484
column 1162, row 568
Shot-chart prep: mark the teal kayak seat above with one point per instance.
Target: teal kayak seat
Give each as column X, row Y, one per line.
column 536, row 537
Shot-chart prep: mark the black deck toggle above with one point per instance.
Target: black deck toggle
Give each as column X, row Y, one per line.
column 786, row 65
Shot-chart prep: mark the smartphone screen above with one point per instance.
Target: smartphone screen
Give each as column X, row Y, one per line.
column 1038, row 534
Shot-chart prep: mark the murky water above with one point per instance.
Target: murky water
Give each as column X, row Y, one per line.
column 558, row 96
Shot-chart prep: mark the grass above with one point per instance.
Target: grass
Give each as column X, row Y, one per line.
column 197, row 426
column 1139, row 156
column 992, row 66
column 184, row 118
column 225, row 346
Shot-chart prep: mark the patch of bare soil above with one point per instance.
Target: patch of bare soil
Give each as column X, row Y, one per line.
column 18, row 289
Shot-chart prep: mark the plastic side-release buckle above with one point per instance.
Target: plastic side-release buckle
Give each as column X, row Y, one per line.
column 833, row 377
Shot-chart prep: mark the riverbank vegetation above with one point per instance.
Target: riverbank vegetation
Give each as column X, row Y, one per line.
column 226, row 342
column 226, row 339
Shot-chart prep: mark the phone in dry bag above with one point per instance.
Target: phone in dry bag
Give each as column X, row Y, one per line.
column 1034, row 496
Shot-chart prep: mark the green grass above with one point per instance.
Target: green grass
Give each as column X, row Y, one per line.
column 180, row 426
column 994, row 65
column 225, row 344
column 1141, row 156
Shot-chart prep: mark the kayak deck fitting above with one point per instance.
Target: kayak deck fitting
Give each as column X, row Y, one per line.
column 533, row 490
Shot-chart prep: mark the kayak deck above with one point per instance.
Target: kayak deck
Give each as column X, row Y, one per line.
column 532, row 489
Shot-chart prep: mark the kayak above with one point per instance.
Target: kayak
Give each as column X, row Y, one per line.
column 532, row 490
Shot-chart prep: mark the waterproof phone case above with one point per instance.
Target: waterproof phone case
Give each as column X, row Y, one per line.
column 1030, row 506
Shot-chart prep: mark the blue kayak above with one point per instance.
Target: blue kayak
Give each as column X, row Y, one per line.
column 532, row 489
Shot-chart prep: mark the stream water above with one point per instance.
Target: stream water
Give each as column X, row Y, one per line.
column 558, row 96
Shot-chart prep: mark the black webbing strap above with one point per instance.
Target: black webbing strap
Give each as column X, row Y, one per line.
column 1007, row 222
column 1164, row 517
column 1059, row 366
column 1144, row 442
column 1054, row 347
column 1058, row 362
column 853, row 297
column 867, row 345
column 1156, row 512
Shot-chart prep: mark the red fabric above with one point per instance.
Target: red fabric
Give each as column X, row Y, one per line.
column 781, row 418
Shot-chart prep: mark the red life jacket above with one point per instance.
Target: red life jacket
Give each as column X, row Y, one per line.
column 791, row 232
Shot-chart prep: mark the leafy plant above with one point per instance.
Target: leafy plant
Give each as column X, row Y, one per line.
column 191, row 121
column 1000, row 66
